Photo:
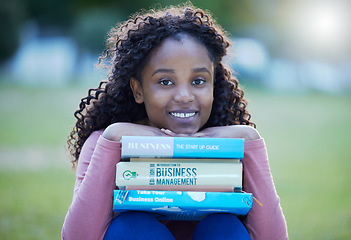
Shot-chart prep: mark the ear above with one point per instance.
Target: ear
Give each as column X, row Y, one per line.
column 137, row 90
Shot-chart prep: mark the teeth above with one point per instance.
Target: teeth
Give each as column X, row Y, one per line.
column 183, row 115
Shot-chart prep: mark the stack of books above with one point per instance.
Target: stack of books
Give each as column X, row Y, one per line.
column 181, row 178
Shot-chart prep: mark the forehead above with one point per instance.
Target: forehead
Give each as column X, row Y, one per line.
column 185, row 48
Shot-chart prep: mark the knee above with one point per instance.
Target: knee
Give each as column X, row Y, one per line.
column 130, row 220
column 220, row 226
column 136, row 225
column 220, row 218
column 133, row 217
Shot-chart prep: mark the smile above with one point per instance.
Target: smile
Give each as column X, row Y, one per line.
column 182, row 115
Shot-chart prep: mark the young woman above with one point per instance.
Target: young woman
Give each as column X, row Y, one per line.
column 166, row 78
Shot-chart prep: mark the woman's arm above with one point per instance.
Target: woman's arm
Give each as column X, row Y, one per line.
column 115, row 131
column 90, row 213
column 91, row 208
column 267, row 221
column 233, row 131
column 263, row 222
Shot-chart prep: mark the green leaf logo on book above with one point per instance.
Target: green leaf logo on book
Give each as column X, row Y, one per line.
column 127, row 175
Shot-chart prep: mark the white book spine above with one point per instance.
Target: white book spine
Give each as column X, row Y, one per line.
column 179, row 174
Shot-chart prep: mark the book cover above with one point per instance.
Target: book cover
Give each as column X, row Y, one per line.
column 177, row 205
column 181, row 147
column 192, row 160
column 179, row 174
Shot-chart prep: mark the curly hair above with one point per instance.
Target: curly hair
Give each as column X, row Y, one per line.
column 128, row 47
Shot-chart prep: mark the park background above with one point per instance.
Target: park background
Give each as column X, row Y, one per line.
column 293, row 59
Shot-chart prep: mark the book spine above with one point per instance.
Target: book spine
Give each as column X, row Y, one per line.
column 191, row 160
column 178, row 205
column 182, row 147
column 178, row 174
column 183, row 188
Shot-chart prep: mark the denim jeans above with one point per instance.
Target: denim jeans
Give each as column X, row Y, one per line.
column 140, row 225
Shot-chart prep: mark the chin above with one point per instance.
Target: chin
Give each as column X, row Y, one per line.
column 185, row 130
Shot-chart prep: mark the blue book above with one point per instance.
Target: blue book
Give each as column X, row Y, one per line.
column 182, row 147
column 177, row 205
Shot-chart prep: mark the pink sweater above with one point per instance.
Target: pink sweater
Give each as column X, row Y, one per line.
column 90, row 213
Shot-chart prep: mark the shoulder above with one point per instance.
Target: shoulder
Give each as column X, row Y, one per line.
column 95, row 141
column 250, row 133
column 247, row 132
column 92, row 139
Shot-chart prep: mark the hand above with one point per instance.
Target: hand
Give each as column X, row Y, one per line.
column 233, row 131
column 115, row 131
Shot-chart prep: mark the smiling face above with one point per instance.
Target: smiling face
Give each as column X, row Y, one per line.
column 177, row 86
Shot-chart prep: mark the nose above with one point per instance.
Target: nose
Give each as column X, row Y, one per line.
column 183, row 94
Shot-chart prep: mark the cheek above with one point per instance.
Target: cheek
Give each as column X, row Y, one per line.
column 207, row 104
column 155, row 104
column 208, row 101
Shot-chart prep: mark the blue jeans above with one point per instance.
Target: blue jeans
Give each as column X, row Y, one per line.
column 140, row 225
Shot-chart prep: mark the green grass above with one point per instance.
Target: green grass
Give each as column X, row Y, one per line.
column 32, row 116
column 34, row 203
column 307, row 137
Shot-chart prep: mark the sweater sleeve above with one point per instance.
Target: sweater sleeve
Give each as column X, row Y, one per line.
column 90, row 212
column 262, row 222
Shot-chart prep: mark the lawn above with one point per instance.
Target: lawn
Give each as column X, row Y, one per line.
column 307, row 137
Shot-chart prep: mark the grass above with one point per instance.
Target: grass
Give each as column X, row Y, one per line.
column 32, row 116
column 307, row 137
column 34, row 203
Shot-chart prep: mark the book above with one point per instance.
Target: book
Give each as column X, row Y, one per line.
column 193, row 160
column 177, row 205
column 185, row 188
column 181, row 147
column 179, row 174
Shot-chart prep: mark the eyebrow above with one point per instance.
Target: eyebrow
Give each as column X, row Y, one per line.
column 163, row 70
column 166, row 70
column 201, row 69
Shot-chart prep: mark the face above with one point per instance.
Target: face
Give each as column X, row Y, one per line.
column 177, row 86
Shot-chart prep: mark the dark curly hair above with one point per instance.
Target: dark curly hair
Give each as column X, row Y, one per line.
column 129, row 45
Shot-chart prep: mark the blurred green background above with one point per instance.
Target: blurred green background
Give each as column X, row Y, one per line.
column 292, row 58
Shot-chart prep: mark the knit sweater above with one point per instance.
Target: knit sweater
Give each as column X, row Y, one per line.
column 90, row 212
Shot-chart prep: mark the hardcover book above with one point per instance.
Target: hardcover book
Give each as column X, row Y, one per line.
column 179, row 174
column 177, row 205
column 182, row 147
column 192, row 160
column 186, row 188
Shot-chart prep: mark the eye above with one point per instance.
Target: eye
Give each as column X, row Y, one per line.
column 198, row 81
column 166, row 82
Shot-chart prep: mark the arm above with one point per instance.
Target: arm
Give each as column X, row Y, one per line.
column 91, row 209
column 90, row 212
column 267, row 221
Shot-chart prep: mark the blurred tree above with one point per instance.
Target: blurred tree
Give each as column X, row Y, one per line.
column 91, row 26
column 50, row 14
column 11, row 16
column 93, row 18
column 88, row 21
column 234, row 16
